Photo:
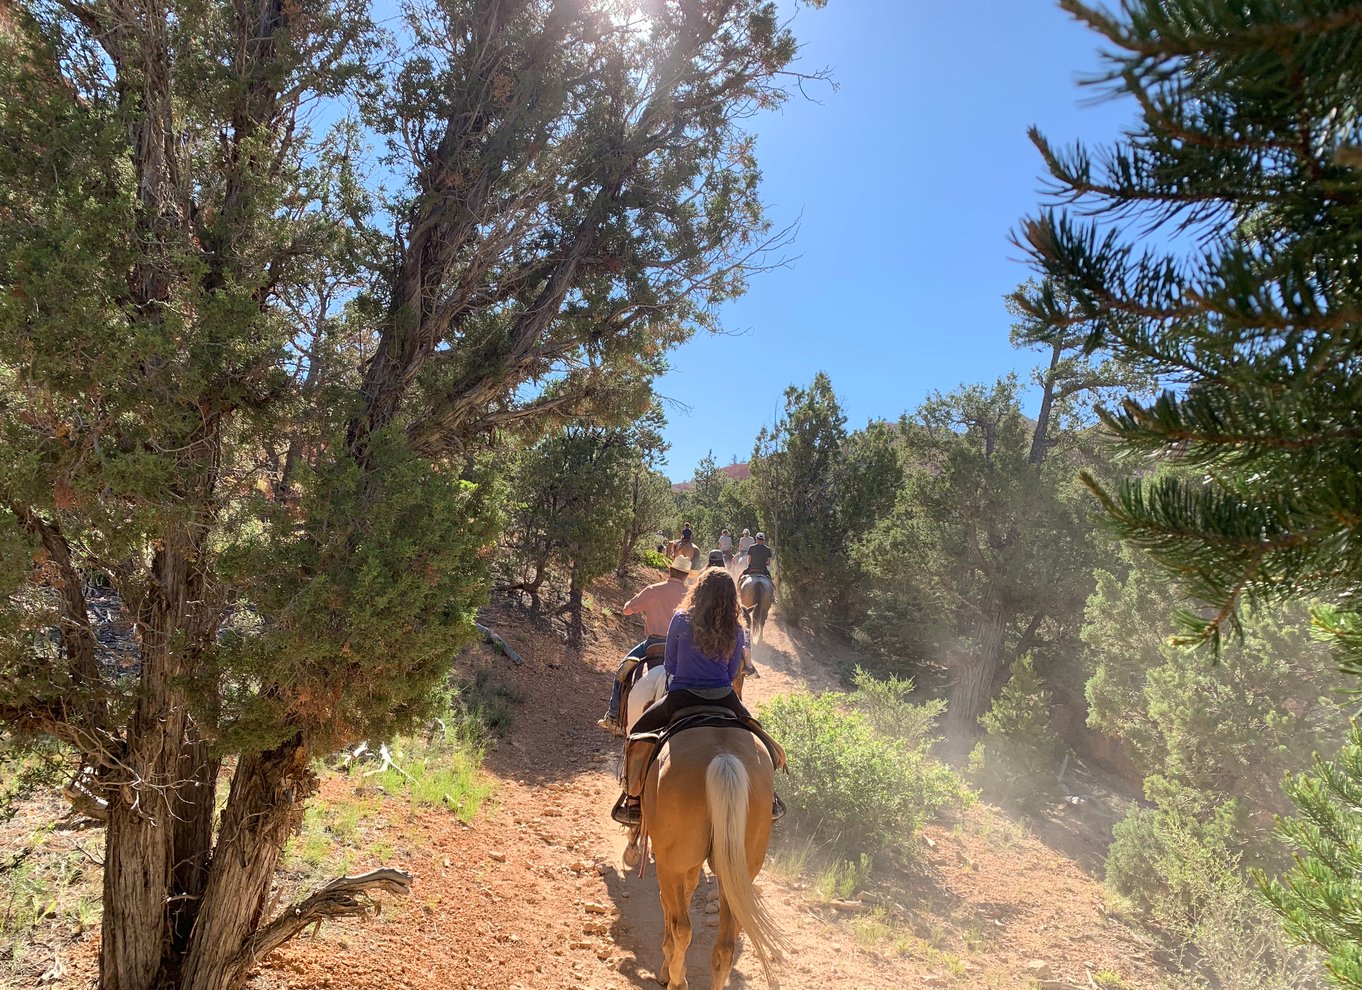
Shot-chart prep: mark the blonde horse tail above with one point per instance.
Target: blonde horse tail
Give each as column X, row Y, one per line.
column 726, row 791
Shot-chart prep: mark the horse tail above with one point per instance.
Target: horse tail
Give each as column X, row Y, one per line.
column 726, row 792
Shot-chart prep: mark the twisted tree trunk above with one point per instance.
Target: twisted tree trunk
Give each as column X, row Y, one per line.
column 160, row 825
column 976, row 671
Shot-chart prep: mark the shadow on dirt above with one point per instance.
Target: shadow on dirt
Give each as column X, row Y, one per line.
column 638, row 929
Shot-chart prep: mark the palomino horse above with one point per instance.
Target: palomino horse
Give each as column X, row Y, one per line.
column 647, row 691
column 756, row 593
column 708, row 796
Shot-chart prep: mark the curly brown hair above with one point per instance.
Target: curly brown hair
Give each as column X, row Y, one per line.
column 712, row 605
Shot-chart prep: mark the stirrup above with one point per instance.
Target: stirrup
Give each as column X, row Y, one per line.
column 777, row 808
column 627, row 813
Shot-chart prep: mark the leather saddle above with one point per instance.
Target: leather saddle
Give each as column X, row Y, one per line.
column 636, row 765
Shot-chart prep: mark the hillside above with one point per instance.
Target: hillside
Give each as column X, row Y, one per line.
column 532, row 893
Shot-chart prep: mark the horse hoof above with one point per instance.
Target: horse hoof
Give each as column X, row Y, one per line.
column 631, row 856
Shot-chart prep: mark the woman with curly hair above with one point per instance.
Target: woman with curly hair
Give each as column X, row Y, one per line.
column 705, row 650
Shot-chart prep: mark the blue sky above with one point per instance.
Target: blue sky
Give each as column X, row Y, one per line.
column 906, row 182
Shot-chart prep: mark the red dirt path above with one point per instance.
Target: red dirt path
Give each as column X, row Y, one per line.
column 533, row 893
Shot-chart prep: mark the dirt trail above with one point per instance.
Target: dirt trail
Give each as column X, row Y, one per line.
column 534, row 893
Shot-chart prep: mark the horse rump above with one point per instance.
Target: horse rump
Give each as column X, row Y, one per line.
column 727, row 786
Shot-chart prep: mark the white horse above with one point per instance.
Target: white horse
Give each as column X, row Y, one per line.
column 647, row 691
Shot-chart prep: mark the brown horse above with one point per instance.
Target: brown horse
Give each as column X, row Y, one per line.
column 708, row 796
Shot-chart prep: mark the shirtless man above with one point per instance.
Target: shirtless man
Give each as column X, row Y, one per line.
column 656, row 603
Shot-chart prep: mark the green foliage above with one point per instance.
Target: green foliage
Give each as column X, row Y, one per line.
column 1254, row 319
column 363, row 620
column 1184, row 872
column 715, row 502
column 988, row 550
column 1213, row 742
column 650, row 557
column 1016, row 758
column 1320, row 899
column 1227, row 730
column 651, row 501
column 1252, row 322
column 817, row 488
column 885, row 703
column 1173, row 865
column 571, row 494
column 850, row 787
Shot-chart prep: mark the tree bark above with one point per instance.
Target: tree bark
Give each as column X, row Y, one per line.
column 159, row 831
column 1040, row 437
column 976, row 672
column 264, row 808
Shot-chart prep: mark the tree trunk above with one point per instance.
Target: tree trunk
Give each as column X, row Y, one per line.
column 976, row 671
column 263, row 810
column 159, row 832
column 1040, row 437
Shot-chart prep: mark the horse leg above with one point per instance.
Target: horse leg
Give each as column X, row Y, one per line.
column 632, row 853
column 721, row 960
column 763, row 610
column 675, row 890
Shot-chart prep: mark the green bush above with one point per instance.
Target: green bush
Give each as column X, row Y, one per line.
column 651, row 558
column 887, row 706
column 1015, row 760
column 850, row 787
column 1183, row 871
column 1170, row 865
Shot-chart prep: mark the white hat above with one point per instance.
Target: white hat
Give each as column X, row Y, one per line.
column 681, row 563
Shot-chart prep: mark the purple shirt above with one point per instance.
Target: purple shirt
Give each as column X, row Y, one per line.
column 688, row 669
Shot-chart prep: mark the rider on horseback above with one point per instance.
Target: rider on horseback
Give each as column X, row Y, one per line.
column 705, row 649
column 759, row 557
column 655, row 603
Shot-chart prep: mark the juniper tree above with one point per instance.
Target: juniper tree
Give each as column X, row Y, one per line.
column 989, row 552
column 231, row 387
column 1248, row 305
column 573, row 495
column 988, row 555
column 817, row 487
column 651, row 503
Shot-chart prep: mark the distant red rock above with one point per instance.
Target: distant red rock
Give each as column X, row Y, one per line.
column 738, row 472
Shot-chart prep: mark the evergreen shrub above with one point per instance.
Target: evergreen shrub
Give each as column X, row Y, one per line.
column 852, row 788
column 1015, row 759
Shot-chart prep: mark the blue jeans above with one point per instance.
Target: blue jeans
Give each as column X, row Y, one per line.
column 636, row 654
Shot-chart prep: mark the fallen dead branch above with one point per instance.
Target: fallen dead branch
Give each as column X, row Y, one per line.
column 501, row 645
column 341, row 898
